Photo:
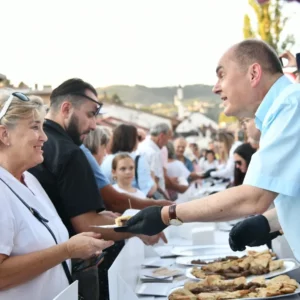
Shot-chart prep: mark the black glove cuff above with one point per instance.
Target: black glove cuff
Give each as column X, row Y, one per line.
column 262, row 222
column 275, row 234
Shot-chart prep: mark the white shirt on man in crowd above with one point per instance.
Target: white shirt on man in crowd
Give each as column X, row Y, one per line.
column 153, row 155
column 177, row 169
column 21, row 233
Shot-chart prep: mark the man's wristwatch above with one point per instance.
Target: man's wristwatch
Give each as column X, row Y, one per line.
column 173, row 220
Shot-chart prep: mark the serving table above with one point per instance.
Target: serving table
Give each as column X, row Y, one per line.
column 125, row 272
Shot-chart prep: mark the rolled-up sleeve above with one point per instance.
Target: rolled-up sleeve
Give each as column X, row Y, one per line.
column 275, row 166
column 145, row 181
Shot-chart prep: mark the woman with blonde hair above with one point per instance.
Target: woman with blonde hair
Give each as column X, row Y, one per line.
column 97, row 142
column 35, row 249
column 227, row 145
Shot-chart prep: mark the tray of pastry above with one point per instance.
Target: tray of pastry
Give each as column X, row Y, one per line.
column 253, row 264
column 214, row 287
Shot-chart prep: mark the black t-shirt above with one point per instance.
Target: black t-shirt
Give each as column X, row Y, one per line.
column 66, row 176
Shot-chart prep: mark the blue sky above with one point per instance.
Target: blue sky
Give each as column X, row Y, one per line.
column 148, row 42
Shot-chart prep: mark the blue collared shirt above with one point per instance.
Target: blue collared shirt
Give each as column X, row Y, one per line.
column 189, row 165
column 276, row 165
column 101, row 180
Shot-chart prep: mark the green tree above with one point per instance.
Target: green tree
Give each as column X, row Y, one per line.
column 115, row 99
column 270, row 23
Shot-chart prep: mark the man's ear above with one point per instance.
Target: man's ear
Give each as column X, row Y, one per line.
column 4, row 135
column 66, row 109
column 255, row 74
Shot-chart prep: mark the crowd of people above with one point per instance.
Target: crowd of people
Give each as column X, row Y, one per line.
column 61, row 173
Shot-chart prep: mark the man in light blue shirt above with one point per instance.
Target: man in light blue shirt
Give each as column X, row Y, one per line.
column 251, row 84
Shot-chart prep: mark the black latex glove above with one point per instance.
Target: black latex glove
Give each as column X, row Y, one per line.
column 148, row 221
column 207, row 173
column 254, row 231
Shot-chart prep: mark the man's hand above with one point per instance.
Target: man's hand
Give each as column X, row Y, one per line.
column 290, row 58
column 109, row 213
column 152, row 240
column 253, row 231
column 163, row 202
column 148, row 221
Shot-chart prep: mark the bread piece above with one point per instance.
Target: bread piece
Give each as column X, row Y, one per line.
column 182, row 294
column 198, row 273
column 275, row 265
column 122, row 221
column 259, row 279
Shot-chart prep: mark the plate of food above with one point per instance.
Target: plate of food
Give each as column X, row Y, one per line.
column 215, row 288
column 199, row 261
column 207, row 252
column 119, row 222
column 253, row 264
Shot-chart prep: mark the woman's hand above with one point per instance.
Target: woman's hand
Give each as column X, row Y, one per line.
column 290, row 58
column 86, row 244
column 109, row 214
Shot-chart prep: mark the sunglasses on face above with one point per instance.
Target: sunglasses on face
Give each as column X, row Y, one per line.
column 238, row 163
column 91, row 99
column 6, row 106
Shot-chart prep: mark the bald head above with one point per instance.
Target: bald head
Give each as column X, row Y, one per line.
column 180, row 145
column 252, row 51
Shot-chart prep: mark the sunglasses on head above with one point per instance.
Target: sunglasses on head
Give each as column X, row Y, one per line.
column 238, row 162
column 6, row 106
column 91, row 99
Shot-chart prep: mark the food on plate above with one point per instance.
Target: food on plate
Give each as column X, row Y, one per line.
column 255, row 263
column 166, row 272
column 203, row 262
column 216, row 288
column 182, row 294
column 122, row 221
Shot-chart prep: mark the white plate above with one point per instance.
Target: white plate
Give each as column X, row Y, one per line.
column 128, row 212
column 186, row 260
column 106, row 226
column 157, row 262
column 285, row 295
column 206, row 252
column 288, row 265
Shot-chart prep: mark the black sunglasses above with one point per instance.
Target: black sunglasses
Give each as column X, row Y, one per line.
column 18, row 95
column 100, row 104
column 238, row 162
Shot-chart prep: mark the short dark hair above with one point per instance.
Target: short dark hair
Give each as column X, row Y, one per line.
column 124, row 138
column 70, row 88
column 252, row 51
column 210, row 152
